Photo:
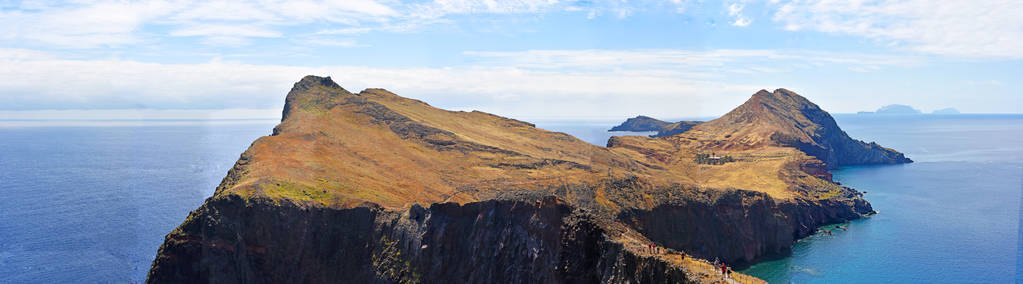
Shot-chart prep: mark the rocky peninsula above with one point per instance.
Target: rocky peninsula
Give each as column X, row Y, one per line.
column 372, row 187
column 645, row 123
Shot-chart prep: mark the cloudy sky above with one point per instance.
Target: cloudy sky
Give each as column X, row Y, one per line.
column 531, row 59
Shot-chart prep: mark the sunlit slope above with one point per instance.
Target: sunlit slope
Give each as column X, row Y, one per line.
column 340, row 149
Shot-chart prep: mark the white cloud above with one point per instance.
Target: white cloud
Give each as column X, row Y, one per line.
column 137, row 114
column 344, row 31
column 528, row 84
column 440, row 8
column 969, row 28
column 225, row 11
column 741, row 22
column 94, row 24
column 226, row 31
column 113, row 23
column 81, row 26
column 735, row 10
column 330, row 42
column 332, row 10
column 693, row 60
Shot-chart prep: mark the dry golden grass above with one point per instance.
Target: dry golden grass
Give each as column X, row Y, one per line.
column 341, row 150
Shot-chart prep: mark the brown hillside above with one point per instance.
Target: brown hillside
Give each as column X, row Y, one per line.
column 341, row 149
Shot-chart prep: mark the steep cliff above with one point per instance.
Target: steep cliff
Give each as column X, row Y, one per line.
column 337, row 194
column 233, row 240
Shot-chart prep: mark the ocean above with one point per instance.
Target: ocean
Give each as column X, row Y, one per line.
column 951, row 217
column 91, row 201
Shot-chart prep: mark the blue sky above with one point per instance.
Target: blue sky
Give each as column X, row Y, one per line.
column 527, row 59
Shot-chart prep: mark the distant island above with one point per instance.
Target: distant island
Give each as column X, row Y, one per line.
column 897, row 109
column 640, row 123
column 645, row 123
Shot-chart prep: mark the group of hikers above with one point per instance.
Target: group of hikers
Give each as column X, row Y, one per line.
column 652, row 247
column 725, row 270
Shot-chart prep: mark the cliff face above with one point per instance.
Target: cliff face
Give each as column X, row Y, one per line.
column 738, row 227
column 334, row 196
column 231, row 240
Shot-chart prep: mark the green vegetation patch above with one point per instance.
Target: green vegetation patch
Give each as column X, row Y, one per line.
column 297, row 192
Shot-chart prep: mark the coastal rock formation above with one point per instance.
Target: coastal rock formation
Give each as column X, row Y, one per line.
column 663, row 128
column 371, row 187
column 640, row 123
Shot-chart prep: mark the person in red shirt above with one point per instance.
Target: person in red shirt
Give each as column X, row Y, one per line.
column 724, row 269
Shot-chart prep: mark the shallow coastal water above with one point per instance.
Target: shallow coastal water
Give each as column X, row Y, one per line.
column 951, row 217
column 92, row 201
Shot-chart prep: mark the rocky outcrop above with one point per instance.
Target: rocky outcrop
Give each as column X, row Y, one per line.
column 640, row 123
column 234, row 240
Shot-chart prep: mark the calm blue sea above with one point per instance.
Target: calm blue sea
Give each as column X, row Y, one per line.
column 92, row 201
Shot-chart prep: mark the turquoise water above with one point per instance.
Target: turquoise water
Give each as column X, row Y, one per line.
column 951, row 217
column 92, row 201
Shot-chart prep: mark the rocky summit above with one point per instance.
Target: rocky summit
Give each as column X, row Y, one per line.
column 372, row 187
